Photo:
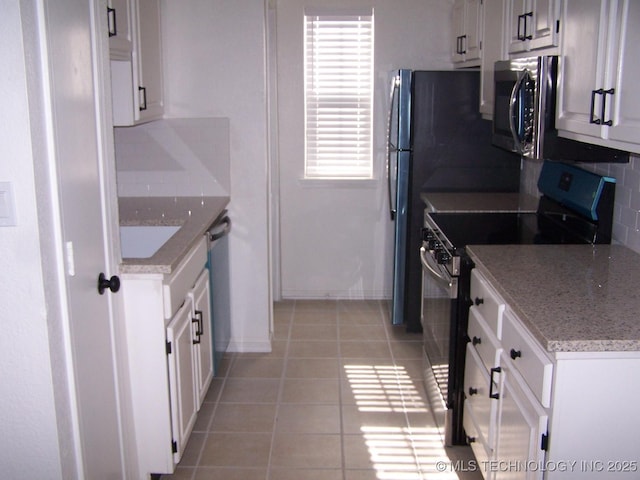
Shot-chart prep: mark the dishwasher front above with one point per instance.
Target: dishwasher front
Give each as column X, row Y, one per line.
column 218, row 265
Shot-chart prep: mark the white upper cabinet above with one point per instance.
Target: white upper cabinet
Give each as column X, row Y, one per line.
column 626, row 65
column 467, row 30
column 597, row 97
column 533, row 25
column 493, row 49
column 136, row 77
column 120, row 32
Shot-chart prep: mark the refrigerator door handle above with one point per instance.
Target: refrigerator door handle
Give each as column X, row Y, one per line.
column 391, row 148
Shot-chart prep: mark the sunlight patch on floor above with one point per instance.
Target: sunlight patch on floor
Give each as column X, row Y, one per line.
column 397, row 453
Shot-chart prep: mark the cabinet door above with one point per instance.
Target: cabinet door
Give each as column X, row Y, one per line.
column 202, row 339
column 458, row 31
column 182, row 381
column 136, row 79
column 120, row 32
column 583, row 64
column 533, row 25
column 467, row 18
column 517, row 17
column 149, row 61
column 473, row 29
column 493, row 49
column 626, row 101
column 476, row 390
column 522, row 422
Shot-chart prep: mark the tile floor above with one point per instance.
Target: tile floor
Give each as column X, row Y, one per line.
column 340, row 397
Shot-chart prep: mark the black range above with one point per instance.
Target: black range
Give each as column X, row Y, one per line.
column 576, row 207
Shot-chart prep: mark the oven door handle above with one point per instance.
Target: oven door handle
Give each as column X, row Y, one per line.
column 434, row 271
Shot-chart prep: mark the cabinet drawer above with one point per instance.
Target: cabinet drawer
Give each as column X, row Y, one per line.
column 180, row 282
column 524, row 353
column 489, row 303
column 483, row 339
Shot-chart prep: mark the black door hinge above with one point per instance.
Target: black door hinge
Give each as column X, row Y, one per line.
column 174, row 446
column 557, row 26
column 544, row 442
column 168, row 347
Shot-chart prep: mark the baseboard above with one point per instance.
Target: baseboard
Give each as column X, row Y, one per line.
column 249, row 346
column 334, row 295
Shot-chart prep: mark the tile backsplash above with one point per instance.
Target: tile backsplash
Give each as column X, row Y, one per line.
column 626, row 226
column 174, row 157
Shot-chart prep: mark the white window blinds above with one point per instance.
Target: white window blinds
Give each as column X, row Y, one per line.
column 338, row 94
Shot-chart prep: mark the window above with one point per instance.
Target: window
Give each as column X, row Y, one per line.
column 338, row 94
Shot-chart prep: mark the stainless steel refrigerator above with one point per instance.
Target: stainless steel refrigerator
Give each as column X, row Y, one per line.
column 437, row 142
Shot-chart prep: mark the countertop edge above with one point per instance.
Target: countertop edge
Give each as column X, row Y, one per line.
column 474, row 202
column 553, row 345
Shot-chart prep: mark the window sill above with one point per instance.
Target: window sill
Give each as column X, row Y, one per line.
column 350, row 183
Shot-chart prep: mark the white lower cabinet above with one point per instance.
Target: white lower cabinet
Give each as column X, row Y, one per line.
column 542, row 415
column 480, row 410
column 510, row 420
column 181, row 359
column 169, row 344
column 202, row 341
column 521, row 429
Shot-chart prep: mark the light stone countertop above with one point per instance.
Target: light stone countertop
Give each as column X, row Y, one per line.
column 572, row 298
column 194, row 214
column 479, row 202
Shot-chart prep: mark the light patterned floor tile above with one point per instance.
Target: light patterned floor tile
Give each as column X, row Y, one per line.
column 340, row 397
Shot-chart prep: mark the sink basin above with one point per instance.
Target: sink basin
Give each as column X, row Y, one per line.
column 143, row 241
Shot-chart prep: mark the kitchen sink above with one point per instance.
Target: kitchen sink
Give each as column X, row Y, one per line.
column 143, row 241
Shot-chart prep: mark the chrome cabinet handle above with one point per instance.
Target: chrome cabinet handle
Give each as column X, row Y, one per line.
column 592, row 116
column 199, row 326
column 111, row 22
column 143, row 99
column 524, row 35
column 460, row 44
column 611, row 91
column 491, row 383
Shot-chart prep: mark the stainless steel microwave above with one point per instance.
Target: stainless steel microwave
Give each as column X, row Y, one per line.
column 524, row 114
column 524, row 104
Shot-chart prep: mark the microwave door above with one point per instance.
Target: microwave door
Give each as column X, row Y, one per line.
column 516, row 112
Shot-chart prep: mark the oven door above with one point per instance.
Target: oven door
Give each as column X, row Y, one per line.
column 439, row 299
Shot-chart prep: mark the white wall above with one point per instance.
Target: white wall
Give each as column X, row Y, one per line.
column 29, row 443
column 336, row 240
column 215, row 66
column 174, row 157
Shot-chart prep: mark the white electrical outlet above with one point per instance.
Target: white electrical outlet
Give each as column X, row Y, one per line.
column 7, row 205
